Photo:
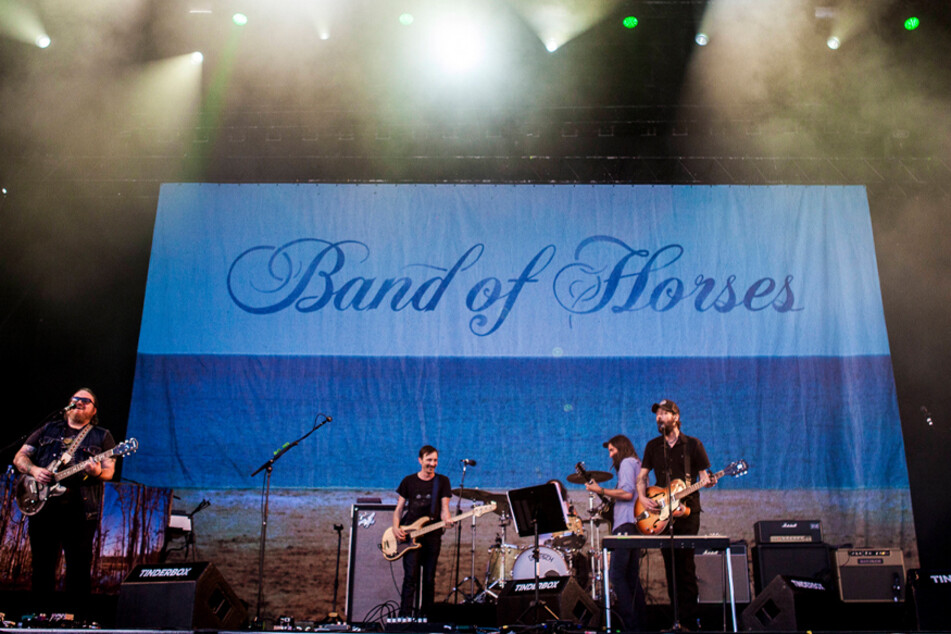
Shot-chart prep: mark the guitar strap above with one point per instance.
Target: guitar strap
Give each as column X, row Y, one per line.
column 67, row 456
column 435, row 500
column 687, row 477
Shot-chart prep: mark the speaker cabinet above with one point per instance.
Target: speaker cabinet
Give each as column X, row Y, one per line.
column 929, row 595
column 867, row 575
column 711, row 573
column 794, row 560
column 564, row 598
column 790, row 604
column 181, row 596
column 371, row 579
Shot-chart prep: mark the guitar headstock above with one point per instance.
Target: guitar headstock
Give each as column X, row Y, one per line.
column 478, row 511
column 736, row 469
column 582, row 471
column 126, row 447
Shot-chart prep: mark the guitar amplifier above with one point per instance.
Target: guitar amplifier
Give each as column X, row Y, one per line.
column 788, row 532
column 868, row 575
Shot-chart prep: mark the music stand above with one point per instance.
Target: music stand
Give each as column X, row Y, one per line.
column 537, row 509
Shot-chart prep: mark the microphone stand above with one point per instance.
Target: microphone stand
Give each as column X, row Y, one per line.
column 269, row 467
column 455, row 567
column 676, row 627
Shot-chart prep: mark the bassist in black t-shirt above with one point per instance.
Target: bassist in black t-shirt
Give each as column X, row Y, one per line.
column 422, row 494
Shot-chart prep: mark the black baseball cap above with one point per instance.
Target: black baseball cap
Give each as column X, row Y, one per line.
column 666, row 404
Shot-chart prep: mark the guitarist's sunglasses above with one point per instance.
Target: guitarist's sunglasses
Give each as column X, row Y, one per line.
column 81, row 399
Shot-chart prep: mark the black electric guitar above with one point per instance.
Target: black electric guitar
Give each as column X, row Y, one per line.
column 31, row 494
column 654, row 522
column 604, row 512
column 393, row 548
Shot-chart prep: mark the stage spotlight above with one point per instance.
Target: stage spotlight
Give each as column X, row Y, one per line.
column 240, row 19
column 406, row 19
column 43, row 41
column 629, row 22
column 551, row 46
column 197, row 58
column 833, row 43
column 912, row 23
column 702, row 39
column 458, row 45
column 3, row 191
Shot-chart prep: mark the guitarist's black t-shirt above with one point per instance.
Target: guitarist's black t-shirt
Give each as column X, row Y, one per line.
column 654, row 461
column 419, row 497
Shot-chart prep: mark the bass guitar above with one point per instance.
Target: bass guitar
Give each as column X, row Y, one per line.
column 654, row 522
column 393, row 548
column 31, row 494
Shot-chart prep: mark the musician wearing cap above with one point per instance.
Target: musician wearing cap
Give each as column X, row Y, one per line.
column 684, row 458
column 631, row 606
column 422, row 494
column 67, row 522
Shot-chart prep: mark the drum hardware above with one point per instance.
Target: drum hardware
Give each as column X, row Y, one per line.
column 476, row 589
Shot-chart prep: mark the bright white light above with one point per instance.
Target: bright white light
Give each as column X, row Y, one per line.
column 701, row 39
column 457, row 45
column 197, row 58
column 324, row 35
column 43, row 41
column 551, row 46
column 833, row 43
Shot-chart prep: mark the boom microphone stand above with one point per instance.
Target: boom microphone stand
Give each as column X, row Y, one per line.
column 265, row 498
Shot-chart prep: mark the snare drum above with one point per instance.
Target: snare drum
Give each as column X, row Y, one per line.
column 551, row 563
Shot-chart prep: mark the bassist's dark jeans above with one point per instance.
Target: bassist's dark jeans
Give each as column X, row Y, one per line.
column 62, row 527
column 630, row 605
column 420, row 560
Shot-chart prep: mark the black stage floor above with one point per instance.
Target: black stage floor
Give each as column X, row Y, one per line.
column 100, row 613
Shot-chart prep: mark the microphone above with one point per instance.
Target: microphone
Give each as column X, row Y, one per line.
column 927, row 414
column 72, row 405
column 467, row 461
column 328, row 418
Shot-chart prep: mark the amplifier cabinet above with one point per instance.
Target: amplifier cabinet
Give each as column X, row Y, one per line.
column 795, row 560
column 373, row 583
column 870, row 575
column 788, row 532
column 711, row 573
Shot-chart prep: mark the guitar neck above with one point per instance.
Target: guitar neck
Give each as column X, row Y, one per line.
column 696, row 486
column 435, row 527
column 76, row 468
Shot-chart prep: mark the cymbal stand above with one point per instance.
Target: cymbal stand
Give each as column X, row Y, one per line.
column 493, row 586
column 474, row 583
column 594, row 553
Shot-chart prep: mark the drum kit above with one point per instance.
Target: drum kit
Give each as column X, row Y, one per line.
column 575, row 552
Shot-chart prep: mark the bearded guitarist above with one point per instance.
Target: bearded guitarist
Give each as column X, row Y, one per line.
column 422, row 494
column 676, row 456
column 67, row 522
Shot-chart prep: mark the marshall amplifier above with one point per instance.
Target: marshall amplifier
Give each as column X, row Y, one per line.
column 868, row 575
column 788, row 532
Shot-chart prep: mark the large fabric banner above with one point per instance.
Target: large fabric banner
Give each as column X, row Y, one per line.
column 516, row 325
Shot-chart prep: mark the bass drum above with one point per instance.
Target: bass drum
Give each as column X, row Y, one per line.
column 551, row 563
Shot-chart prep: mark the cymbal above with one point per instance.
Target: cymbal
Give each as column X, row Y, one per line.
column 597, row 476
column 486, row 497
